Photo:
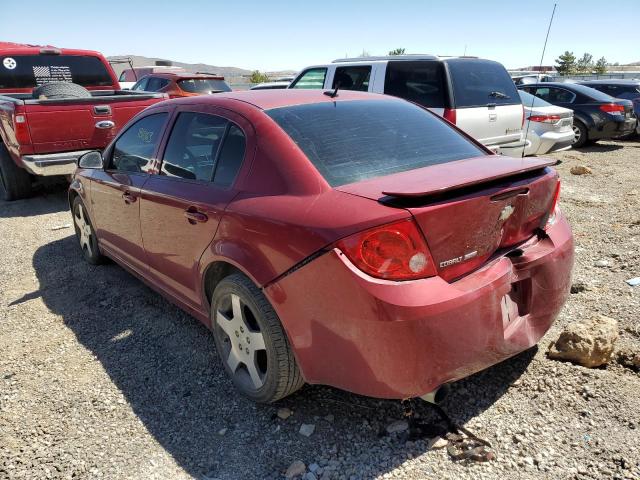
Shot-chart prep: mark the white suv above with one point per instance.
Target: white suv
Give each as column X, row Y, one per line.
column 475, row 94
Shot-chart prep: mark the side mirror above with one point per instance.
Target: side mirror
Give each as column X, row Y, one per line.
column 91, row 160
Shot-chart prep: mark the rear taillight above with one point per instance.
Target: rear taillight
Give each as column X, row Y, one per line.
column 553, row 215
column 450, row 114
column 612, row 108
column 544, row 118
column 396, row 251
column 522, row 124
column 21, row 129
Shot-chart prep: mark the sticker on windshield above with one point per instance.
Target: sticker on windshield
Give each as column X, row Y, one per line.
column 9, row 63
column 51, row 73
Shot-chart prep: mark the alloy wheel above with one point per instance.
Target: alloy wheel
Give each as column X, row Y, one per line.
column 84, row 229
column 245, row 352
column 576, row 134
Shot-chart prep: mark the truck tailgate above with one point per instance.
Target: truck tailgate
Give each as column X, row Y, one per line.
column 81, row 124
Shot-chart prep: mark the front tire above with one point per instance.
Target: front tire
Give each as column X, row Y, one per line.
column 251, row 342
column 15, row 183
column 85, row 233
column 580, row 134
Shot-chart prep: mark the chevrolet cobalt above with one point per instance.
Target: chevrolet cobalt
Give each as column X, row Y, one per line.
column 340, row 238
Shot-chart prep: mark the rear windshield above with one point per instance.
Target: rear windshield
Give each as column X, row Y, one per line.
column 529, row 100
column 203, row 85
column 29, row 71
column 477, row 83
column 589, row 92
column 356, row 140
column 421, row 82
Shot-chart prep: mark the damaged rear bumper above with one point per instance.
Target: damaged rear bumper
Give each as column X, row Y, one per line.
column 403, row 339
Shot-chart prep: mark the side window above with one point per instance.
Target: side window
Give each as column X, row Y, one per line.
column 420, row 82
column 231, row 156
column 559, row 95
column 312, row 78
column 141, row 85
column 133, row 151
column 123, row 75
column 156, row 84
column 544, row 94
column 352, row 78
column 193, row 146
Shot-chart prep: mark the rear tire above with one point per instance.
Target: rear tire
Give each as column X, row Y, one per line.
column 15, row 182
column 251, row 342
column 580, row 132
column 56, row 90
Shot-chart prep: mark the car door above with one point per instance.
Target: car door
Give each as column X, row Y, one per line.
column 115, row 191
column 182, row 205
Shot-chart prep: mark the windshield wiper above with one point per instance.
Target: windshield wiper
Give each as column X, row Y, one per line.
column 499, row 95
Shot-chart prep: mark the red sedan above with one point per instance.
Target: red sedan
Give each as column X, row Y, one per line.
column 355, row 240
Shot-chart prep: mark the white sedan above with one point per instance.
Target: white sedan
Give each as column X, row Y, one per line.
column 548, row 128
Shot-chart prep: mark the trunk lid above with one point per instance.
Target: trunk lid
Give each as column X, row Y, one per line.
column 81, row 124
column 469, row 209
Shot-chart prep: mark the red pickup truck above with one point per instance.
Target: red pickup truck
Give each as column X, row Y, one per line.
column 55, row 105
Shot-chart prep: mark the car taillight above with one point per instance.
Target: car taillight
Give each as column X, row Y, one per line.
column 544, row 118
column 21, row 129
column 396, row 251
column 553, row 215
column 450, row 114
column 522, row 124
column 612, row 108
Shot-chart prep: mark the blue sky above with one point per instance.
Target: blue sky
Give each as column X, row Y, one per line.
column 279, row 34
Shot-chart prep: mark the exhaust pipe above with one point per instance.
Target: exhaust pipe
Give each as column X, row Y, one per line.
column 437, row 395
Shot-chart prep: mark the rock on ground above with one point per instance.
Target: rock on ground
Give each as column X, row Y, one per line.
column 590, row 343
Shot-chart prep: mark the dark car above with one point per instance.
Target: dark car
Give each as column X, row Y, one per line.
column 356, row 240
column 179, row 84
column 619, row 88
column 597, row 116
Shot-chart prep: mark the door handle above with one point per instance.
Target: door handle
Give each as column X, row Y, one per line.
column 194, row 216
column 129, row 198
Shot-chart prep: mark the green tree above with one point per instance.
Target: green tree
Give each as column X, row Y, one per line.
column 566, row 63
column 601, row 66
column 585, row 64
column 397, row 51
column 258, row 77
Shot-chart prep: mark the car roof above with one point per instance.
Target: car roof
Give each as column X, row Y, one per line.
column 185, row 75
column 268, row 99
column 407, row 57
column 616, row 81
column 10, row 48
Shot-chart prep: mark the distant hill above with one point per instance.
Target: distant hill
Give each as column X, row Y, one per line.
column 232, row 74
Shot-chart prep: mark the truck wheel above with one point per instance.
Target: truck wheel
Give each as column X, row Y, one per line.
column 15, row 183
column 61, row 90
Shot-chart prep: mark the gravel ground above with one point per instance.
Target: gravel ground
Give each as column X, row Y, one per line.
column 100, row 377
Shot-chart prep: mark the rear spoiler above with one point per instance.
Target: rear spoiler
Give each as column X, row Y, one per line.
column 463, row 174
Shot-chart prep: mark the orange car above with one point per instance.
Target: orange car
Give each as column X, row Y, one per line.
column 179, row 84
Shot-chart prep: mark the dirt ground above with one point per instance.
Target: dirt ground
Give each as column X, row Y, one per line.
column 100, row 377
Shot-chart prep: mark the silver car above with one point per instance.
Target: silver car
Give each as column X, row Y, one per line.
column 548, row 128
